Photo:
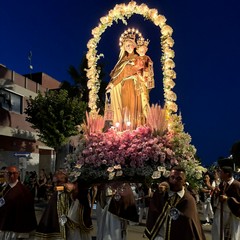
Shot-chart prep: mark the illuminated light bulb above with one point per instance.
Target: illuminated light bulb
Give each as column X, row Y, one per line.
column 117, row 124
column 128, row 123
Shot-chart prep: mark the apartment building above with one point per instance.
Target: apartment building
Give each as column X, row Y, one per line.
column 19, row 144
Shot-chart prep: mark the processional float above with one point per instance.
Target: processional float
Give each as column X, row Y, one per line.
column 142, row 152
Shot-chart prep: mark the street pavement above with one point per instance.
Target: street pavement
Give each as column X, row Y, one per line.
column 133, row 231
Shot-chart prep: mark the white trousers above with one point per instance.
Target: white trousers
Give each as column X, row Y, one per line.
column 207, row 211
column 109, row 226
column 142, row 210
column 228, row 219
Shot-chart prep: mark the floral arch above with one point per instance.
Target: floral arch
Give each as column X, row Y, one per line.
column 123, row 12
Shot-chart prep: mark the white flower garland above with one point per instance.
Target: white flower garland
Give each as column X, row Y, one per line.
column 123, row 12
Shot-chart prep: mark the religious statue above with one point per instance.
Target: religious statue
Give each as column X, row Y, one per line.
column 146, row 75
column 128, row 88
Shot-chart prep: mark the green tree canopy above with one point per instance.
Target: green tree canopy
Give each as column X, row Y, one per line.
column 79, row 84
column 55, row 116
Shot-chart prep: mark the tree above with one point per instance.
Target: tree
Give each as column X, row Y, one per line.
column 79, row 86
column 55, row 117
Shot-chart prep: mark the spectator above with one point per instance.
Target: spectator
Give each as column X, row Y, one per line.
column 215, row 184
column 16, row 208
column 49, row 186
column 26, row 181
column 33, row 183
column 41, row 185
column 143, row 201
column 205, row 197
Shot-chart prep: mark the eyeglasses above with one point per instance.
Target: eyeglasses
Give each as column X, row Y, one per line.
column 11, row 173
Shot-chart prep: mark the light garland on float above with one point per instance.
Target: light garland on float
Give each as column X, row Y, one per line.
column 123, row 12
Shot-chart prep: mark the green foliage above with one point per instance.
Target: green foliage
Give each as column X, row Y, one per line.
column 185, row 153
column 182, row 140
column 55, row 116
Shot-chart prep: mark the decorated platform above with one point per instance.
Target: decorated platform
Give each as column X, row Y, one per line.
column 134, row 141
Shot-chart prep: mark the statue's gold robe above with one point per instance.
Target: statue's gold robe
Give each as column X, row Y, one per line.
column 125, row 93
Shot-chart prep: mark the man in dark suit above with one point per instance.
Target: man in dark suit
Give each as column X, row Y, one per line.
column 17, row 215
column 173, row 213
column 226, row 223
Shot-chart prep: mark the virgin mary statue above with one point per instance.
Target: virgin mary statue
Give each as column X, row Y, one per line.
column 125, row 84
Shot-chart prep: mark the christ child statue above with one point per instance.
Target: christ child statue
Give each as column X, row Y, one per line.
column 147, row 70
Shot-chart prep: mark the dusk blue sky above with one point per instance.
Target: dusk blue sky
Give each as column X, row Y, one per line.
column 207, row 51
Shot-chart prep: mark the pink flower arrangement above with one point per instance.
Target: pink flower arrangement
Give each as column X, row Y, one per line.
column 128, row 149
column 128, row 153
column 143, row 154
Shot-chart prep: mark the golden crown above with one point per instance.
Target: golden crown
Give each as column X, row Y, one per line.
column 129, row 34
column 142, row 42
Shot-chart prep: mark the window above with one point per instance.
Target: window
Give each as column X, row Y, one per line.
column 11, row 101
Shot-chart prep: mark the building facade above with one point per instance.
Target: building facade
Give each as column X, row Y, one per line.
column 19, row 143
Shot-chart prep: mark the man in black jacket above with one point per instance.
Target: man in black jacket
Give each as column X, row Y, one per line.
column 17, row 215
column 173, row 214
column 226, row 222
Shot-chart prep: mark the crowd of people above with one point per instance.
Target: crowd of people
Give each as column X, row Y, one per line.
column 40, row 185
column 168, row 208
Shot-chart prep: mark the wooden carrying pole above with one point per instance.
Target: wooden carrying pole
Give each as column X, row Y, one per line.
column 221, row 221
column 221, row 212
